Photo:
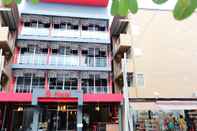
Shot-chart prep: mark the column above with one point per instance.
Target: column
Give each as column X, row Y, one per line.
column 79, row 82
column 16, row 55
column 35, row 120
column 46, row 84
column 20, row 25
column 109, row 84
column 79, row 118
column 120, row 120
column 48, row 55
column 12, row 84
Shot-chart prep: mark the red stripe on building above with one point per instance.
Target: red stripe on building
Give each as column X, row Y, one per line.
column 102, row 3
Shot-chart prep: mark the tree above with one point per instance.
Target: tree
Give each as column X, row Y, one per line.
column 182, row 9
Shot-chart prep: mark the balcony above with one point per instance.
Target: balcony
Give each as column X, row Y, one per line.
column 10, row 15
column 94, row 89
column 6, row 41
column 21, row 88
column 35, row 59
column 5, row 71
column 118, row 70
column 122, row 44
column 94, row 34
column 119, row 25
column 29, row 31
column 62, row 60
column 65, row 33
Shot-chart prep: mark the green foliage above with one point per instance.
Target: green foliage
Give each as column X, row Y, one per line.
column 114, row 7
column 182, row 10
column 133, row 6
column 7, row 2
column 159, row 1
column 123, row 7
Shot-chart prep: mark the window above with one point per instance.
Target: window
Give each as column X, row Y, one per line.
column 56, row 26
column 130, row 79
column 28, row 82
column 84, row 27
column 140, row 80
column 27, row 24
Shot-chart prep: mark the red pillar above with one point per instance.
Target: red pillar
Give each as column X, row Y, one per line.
column 15, row 56
column 11, row 84
column 46, row 84
column 110, row 83
column 20, row 25
column 48, row 55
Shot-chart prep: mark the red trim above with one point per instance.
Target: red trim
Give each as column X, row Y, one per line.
column 48, row 100
column 12, row 83
column 88, row 98
column 102, row 3
column 46, row 84
column 103, row 98
column 16, row 53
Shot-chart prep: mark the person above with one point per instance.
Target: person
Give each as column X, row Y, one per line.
column 171, row 126
column 176, row 124
column 182, row 123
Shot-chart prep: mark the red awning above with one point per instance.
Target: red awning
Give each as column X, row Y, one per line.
column 102, row 3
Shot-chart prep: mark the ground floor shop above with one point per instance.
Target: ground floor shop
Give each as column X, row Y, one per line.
column 165, row 116
column 59, row 117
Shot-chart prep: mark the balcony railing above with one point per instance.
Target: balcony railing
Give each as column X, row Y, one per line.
column 94, row 89
column 65, row 33
column 37, row 59
column 86, row 89
column 6, row 42
column 63, row 88
column 62, row 33
column 27, row 88
column 35, row 31
column 122, row 44
column 63, row 60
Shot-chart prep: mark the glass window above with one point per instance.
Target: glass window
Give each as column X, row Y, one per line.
column 24, row 50
column 34, row 23
column 63, row 25
column 47, row 25
column 56, row 26
column 75, row 27
column 27, row 24
column 52, row 83
column 130, row 79
column 140, row 80
column 40, row 24
column 84, row 27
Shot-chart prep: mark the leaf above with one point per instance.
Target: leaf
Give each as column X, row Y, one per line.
column 7, row 2
column 133, row 6
column 184, row 9
column 18, row 1
column 35, row 1
column 123, row 7
column 114, row 7
column 159, row 1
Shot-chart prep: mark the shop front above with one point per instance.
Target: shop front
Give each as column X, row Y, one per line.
column 165, row 116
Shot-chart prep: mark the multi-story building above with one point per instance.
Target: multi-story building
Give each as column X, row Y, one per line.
column 9, row 17
column 161, row 63
column 61, row 68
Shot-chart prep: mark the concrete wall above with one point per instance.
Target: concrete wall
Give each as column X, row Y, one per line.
column 165, row 51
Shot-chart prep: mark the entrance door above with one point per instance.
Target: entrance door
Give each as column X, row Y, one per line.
column 59, row 119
